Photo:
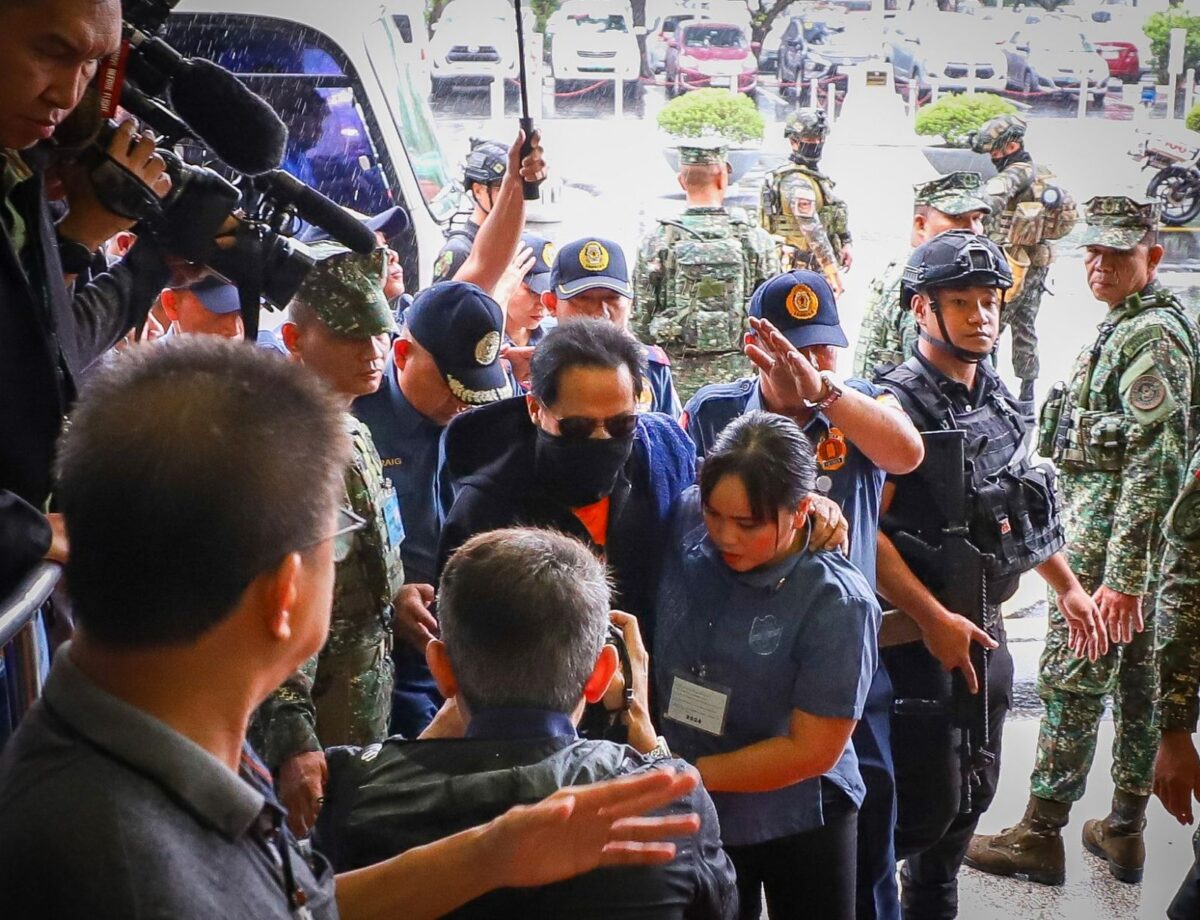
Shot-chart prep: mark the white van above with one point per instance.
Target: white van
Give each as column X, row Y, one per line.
column 593, row 40
column 360, row 128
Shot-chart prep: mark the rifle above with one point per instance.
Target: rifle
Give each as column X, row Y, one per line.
column 956, row 573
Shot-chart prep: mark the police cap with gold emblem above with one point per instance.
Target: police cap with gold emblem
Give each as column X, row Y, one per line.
column 800, row 305
column 345, row 290
column 537, row 279
column 461, row 326
column 587, row 264
column 954, row 194
column 1117, row 222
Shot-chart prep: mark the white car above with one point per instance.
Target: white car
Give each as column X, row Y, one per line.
column 474, row 45
column 593, row 43
column 948, row 51
column 1054, row 57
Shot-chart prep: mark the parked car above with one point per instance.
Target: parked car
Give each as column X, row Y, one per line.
column 943, row 50
column 1051, row 56
column 473, row 45
column 707, row 53
column 659, row 37
column 595, row 41
column 817, row 50
column 1123, row 59
column 359, row 129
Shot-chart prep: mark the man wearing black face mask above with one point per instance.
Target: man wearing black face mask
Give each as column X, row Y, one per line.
column 576, row 456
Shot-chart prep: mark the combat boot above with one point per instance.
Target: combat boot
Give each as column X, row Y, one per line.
column 1118, row 839
column 1032, row 850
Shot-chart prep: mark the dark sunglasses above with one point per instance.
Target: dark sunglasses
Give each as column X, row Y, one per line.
column 580, row 428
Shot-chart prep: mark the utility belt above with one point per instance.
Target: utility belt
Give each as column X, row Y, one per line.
column 1081, row 439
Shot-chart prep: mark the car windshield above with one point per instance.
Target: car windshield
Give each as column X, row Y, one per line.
column 714, row 37
column 1057, row 39
column 613, row 23
column 671, row 23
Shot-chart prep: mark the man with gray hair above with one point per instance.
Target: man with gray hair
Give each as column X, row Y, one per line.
column 520, row 658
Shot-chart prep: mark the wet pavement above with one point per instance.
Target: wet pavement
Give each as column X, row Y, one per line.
column 613, row 180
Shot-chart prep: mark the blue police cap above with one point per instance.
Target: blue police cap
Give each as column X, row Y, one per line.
column 538, row 277
column 390, row 222
column 460, row 325
column 217, row 295
column 587, row 264
column 801, row 305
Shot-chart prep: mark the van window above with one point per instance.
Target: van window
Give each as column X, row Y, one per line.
column 309, row 82
column 413, row 119
column 404, row 26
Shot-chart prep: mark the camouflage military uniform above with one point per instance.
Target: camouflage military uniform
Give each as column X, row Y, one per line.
column 888, row 333
column 342, row 695
column 792, row 182
column 1119, row 434
column 1179, row 610
column 692, row 281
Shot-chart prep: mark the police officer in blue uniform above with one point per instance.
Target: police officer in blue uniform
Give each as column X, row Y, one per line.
column 482, row 174
column 446, row 360
column 860, row 434
column 590, row 279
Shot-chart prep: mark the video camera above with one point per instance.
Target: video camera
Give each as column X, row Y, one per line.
column 203, row 112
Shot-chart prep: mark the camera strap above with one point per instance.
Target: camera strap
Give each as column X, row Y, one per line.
column 123, row 193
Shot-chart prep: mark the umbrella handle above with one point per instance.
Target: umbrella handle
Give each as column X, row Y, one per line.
column 531, row 189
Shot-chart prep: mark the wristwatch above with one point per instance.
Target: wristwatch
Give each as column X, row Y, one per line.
column 661, row 751
column 831, row 394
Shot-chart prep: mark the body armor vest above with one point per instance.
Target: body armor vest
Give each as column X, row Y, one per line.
column 1012, row 511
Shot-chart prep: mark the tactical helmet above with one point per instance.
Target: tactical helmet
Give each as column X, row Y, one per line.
column 808, row 128
column 486, row 163
column 957, row 258
column 997, row 133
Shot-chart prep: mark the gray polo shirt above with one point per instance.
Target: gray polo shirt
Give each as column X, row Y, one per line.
column 105, row 812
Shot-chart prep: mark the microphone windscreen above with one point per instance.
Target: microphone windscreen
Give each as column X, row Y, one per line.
column 239, row 127
column 327, row 214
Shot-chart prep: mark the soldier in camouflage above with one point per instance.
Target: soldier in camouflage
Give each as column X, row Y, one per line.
column 888, row 332
column 1119, row 433
column 339, row 327
column 1177, row 768
column 799, row 207
column 1023, row 226
column 694, row 277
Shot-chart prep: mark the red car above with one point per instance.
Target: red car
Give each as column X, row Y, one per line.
column 1122, row 59
column 705, row 53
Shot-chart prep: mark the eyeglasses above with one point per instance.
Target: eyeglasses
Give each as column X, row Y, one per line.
column 581, row 427
column 348, row 524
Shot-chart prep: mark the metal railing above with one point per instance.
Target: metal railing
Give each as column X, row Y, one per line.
column 23, row 639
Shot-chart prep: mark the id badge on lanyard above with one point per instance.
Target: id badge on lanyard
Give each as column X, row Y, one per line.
column 698, row 703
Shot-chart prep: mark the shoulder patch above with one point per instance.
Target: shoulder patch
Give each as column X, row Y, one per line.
column 1147, row 392
column 443, row 263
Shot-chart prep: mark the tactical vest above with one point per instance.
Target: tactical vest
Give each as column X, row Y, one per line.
column 1026, row 225
column 1012, row 509
column 778, row 219
column 704, row 282
column 1080, row 438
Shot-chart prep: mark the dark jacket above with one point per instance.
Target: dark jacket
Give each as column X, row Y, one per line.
column 490, row 458
column 403, row 794
column 49, row 337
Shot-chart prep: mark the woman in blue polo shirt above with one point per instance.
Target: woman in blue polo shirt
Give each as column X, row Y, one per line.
column 764, row 656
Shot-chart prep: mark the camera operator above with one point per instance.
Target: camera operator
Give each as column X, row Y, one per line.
column 49, row 51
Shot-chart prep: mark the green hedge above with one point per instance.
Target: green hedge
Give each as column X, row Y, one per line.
column 713, row 112
column 1158, row 29
column 955, row 117
column 1193, row 118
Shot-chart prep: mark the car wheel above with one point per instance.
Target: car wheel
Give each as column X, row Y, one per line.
column 1030, row 86
column 1099, row 98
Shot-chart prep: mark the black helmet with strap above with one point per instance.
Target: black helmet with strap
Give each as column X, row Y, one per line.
column 486, row 163
column 956, row 258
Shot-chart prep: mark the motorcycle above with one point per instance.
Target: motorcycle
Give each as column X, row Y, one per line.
column 1177, row 180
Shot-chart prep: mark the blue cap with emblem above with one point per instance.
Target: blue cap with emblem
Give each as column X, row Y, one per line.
column 390, row 223
column 460, row 325
column 538, row 277
column 800, row 305
column 587, row 264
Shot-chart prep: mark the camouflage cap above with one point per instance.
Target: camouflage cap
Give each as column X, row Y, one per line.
column 997, row 132
column 345, row 290
column 1118, row 222
column 953, row 194
column 698, row 155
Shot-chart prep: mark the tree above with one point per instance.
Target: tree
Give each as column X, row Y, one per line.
column 1158, row 29
column 762, row 21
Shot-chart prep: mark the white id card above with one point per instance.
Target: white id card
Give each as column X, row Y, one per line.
column 699, row 705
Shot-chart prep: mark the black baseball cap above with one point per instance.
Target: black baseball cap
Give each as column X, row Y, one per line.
column 800, row 305
column 538, row 277
column 461, row 326
column 587, row 264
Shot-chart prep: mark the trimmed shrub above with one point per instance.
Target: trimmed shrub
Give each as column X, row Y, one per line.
column 713, row 113
column 955, row 117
